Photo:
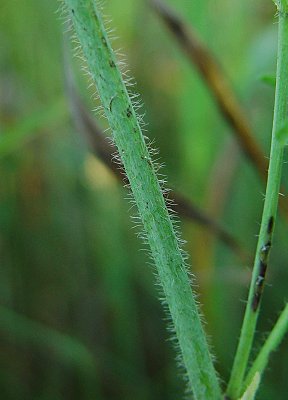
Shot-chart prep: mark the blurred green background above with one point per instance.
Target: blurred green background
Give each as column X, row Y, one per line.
column 80, row 316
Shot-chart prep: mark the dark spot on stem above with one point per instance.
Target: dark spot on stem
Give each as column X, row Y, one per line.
column 110, row 104
column 265, row 250
column 129, row 112
column 255, row 301
column 73, row 12
column 102, row 77
column 270, row 225
column 104, row 41
column 259, row 285
column 262, row 272
column 112, row 64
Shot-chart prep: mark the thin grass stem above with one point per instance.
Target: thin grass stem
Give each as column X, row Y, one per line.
column 148, row 197
column 268, row 217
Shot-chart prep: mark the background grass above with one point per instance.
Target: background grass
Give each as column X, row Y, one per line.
column 70, row 260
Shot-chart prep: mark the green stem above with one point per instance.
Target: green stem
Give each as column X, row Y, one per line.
column 272, row 342
column 148, row 197
column 268, row 217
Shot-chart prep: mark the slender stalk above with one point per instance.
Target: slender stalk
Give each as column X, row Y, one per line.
column 272, row 342
column 268, row 217
column 180, row 204
column 148, row 197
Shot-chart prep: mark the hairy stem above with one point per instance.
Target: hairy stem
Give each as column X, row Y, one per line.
column 148, row 197
column 186, row 208
column 268, row 217
column 272, row 342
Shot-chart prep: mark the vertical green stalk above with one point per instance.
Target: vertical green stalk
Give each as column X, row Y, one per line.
column 148, row 197
column 269, row 214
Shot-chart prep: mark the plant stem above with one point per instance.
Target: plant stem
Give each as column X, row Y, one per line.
column 268, row 217
column 272, row 342
column 148, row 197
column 186, row 208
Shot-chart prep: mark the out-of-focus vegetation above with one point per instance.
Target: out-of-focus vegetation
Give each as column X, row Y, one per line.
column 79, row 316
